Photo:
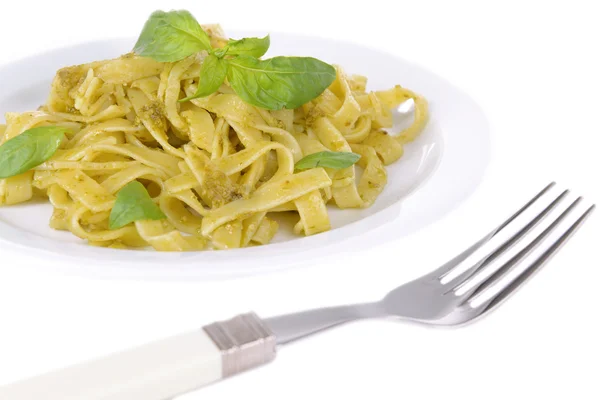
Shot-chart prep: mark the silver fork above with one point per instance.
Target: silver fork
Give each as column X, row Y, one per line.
column 433, row 300
column 450, row 295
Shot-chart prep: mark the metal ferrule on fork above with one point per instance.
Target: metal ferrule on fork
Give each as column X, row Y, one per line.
column 245, row 342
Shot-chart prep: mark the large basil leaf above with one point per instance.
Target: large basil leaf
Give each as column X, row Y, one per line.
column 171, row 36
column 133, row 204
column 212, row 75
column 279, row 82
column 328, row 159
column 29, row 149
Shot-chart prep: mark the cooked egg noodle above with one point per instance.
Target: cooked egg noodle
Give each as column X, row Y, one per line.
column 216, row 166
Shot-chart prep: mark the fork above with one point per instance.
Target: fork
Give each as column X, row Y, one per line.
column 450, row 295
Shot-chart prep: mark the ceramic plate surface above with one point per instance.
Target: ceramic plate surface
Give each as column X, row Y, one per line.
column 437, row 172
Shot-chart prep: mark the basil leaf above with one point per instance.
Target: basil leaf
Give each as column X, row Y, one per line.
column 279, row 82
column 254, row 47
column 29, row 149
column 171, row 36
column 133, row 204
column 328, row 159
column 212, row 75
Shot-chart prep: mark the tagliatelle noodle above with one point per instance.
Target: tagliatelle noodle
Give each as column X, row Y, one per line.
column 217, row 167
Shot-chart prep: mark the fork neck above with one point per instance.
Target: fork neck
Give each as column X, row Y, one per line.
column 291, row 327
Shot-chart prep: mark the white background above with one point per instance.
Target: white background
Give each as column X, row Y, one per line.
column 534, row 69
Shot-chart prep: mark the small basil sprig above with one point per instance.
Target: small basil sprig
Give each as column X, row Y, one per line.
column 328, row 159
column 133, row 204
column 29, row 149
column 273, row 84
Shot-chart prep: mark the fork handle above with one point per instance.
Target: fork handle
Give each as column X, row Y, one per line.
column 159, row 370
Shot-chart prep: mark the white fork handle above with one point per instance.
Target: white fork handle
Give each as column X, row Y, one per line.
column 159, row 370
column 155, row 371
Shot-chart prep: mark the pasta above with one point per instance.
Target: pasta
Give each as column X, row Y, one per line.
column 218, row 168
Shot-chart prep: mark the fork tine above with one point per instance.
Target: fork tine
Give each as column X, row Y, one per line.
column 508, row 266
column 461, row 280
column 517, row 282
column 445, row 269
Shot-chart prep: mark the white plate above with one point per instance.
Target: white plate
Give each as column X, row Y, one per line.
column 437, row 172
